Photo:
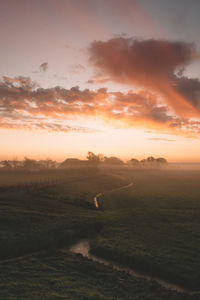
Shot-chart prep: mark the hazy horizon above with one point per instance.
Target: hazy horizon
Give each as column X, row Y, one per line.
column 117, row 77
column 84, row 157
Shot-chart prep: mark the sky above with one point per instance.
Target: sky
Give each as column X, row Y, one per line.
column 118, row 77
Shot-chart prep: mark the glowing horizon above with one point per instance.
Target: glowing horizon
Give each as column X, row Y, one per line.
column 87, row 76
column 27, row 145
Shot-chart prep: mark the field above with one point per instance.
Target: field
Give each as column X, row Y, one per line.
column 152, row 226
column 60, row 275
column 43, row 214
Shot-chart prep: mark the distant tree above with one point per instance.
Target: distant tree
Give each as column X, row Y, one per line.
column 6, row 164
column 15, row 163
column 101, row 157
column 133, row 162
column 161, row 160
column 73, row 163
column 151, row 159
column 152, row 162
column 143, row 161
column 30, row 163
column 93, row 158
column 113, row 160
column 48, row 163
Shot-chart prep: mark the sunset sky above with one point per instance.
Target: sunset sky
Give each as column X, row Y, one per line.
column 118, row 77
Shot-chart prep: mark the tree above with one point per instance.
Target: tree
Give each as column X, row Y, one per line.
column 150, row 159
column 133, row 162
column 73, row 163
column 113, row 160
column 30, row 163
column 48, row 163
column 161, row 160
column 7, row 164
column 93, row 158
column 143, row 161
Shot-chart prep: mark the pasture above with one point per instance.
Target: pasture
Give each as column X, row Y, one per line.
column 152, row 226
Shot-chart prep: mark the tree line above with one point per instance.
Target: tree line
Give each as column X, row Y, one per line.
column 113, row 160
column 92, row 159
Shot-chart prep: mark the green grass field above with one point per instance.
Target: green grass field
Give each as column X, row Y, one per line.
column 152, row 226
column 61, row 275
column 42, row 215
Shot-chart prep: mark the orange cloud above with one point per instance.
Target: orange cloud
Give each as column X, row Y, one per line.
column 25, row 105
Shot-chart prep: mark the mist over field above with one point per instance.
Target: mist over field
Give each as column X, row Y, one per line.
column 100, row 150
column 134, row 223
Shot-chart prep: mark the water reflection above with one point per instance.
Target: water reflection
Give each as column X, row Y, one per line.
column 83, row 248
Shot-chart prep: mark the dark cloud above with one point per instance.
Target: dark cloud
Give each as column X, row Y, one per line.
column 141, row 61
column 189, row 88
column 44, row 66
column 152, row 64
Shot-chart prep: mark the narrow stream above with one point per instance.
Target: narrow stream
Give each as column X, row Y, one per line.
column 96, row 199
column 83, row 248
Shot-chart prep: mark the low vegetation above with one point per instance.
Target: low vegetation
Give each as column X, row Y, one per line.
column 152, row 226
column 49, row 211
column 60, row 275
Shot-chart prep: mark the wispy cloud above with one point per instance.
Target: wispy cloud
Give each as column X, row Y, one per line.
column 76, row 68
column 161, row 139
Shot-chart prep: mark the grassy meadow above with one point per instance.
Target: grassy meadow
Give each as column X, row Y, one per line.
column 152, row 226
column 47, row 213
column 60, row 275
